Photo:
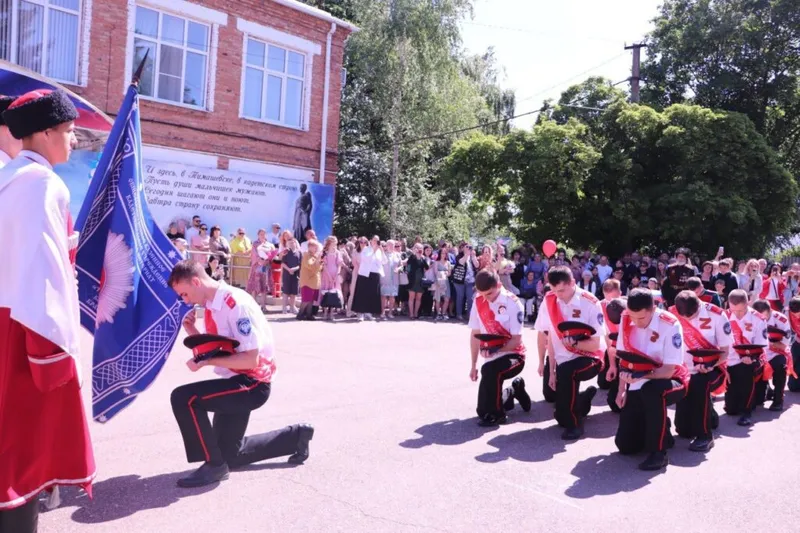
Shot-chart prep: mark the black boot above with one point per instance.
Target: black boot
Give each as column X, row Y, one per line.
column 776, row 406
column 586, row 397
column 305, row 434
column 572, row 433
column 508, row 404
column 655, row 461
column 744, row 420
column 205, row 475
column 701, row 444
column 521, row 394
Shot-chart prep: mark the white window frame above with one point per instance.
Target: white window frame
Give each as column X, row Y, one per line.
column 84, row 13
column 190, row 12
column 290, row 43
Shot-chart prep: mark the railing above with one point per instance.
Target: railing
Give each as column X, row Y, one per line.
column 202, row 258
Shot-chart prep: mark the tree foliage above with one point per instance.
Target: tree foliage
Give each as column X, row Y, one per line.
column 736, row 55
column 632, row 177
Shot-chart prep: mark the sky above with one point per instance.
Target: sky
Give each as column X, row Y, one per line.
column 545, row 46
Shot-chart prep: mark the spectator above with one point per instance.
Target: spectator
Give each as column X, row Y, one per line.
column 214, row 269
column 194, row 231
column 604, row 270
column 527, row 293
column 725, row 275
column 291, row 257
column 390, row 282
column 275, row 236
column 707, row 276
column 310, row 280
column 331, row 269
column 260, row 253
column 441, row 296
column 218, row 246
column 200, row 244
column 751, row 281
column 240, row 252
column 180, row 244
column 173, row 232
column 367, row 298
column 417, row 265
column 538, row 267
column 587, row 282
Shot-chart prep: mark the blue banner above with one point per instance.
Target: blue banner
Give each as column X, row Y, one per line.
column 124, row 261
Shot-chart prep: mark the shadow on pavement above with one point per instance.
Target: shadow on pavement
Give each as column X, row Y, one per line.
column 124, row 496
column 447, row 433
column 604, row 475
column 531, row 446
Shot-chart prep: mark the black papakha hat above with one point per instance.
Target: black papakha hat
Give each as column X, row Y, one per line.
column 5, row 101
column 37, row 111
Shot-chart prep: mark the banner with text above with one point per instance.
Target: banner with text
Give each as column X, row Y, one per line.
column 225, row 198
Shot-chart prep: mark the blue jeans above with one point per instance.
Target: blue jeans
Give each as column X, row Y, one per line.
column 463, row 295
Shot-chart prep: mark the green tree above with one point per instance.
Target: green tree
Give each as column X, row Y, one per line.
column 736, row 55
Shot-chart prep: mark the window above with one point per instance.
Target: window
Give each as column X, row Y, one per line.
column 42, row 35
column 274, row 84
column 177, row 65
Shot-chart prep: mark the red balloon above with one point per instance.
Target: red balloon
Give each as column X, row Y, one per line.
column 549, row 248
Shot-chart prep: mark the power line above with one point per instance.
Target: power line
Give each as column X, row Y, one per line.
column 604, row 63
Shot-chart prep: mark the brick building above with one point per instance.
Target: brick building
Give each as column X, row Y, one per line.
column 251, row 85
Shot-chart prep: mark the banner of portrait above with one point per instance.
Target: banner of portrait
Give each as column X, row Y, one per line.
column 229, row 199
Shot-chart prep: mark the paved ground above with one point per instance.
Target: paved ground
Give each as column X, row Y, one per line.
column 397, row 450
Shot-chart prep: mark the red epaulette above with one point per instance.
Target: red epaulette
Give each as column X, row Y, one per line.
column 230, row 301
column 714, row 309
column 589, row 296
column 668, row 318
column 781, row 317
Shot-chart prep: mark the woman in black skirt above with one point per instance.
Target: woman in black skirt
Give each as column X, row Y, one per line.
column 367, row 297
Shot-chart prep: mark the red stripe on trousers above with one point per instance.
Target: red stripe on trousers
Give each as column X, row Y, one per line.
column 197, row 427
column 709, row 388
column 756, row 377
column 664, row 416
column 575, row 388
column 500, row 384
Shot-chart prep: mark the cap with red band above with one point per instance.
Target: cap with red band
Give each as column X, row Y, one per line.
column 571, row 328
column 205, row 346
column 633, row 362
column 749, row 350
column 775, row 334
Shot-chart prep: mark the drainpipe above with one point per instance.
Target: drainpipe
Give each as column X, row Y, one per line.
column 323, row 152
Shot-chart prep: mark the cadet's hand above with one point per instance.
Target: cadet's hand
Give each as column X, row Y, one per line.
column 747, row 360
column 611, row 375
column 552, row 381
column 627, row 377
column 190, row 319
column 621, row 397
column 194, row 366
column 541, row 369
column 702, row 369
column 473, row 374
column 569, row 342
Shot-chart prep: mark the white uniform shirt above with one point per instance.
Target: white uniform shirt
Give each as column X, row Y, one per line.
column 583, row 307
column 713, row 323
column 4, row 159
column 661, row 340
column 754, row 329
column 780, row 321
column 507, row 311
column 236, row 315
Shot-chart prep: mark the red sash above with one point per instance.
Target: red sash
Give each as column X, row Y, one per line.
column 681, row 373
column 784, row 351
column 493, row 327
column 795, row 323
column 612, row 328
column 696, row 341
column 556, row 318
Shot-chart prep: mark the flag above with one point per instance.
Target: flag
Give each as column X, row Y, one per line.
column 124, row 261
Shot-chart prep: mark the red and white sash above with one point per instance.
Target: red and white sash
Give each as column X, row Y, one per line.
column 612, row 328
column 693, row 337
column 556, row 318
column 493, row 327
column 681, row 373
column 761, row 362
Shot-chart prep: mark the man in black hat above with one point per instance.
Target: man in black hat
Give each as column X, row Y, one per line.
column 677, row 276
column 649, row 334
column 745, row 365
column 245, row 383
column 44, row 439
column 9, row 145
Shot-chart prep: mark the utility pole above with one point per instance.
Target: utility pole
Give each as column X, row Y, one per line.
column 636, row 47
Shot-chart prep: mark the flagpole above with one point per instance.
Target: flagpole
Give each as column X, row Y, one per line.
column 138, row 74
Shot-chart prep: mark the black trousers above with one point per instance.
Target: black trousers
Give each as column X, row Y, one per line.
column 613, row 390
column 693, row 414
column 778, row 364
column 23, row 519
column 602, row 382
column 740, row 398
column 794, row 383
column 231, row 400
column 643, row 423
column 549, row 394
column 571, row 404
column 491, row 395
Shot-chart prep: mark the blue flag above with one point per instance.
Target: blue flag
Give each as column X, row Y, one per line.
column 124, row 261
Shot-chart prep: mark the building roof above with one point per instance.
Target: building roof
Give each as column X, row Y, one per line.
column 318, row 13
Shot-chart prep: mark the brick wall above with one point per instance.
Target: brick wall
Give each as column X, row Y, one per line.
column 222, row 132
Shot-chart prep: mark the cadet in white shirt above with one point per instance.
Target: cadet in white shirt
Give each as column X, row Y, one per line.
column 745, row 366
column 778, row 354
column 9, row 146
column 705, row 327
column 571, row 362
column 794, row 322
column 245, row 385
column 656, row 335
column 497, row 312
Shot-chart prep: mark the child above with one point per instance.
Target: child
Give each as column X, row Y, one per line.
column 331, row 267
column 527, row 293
column 719, row 285
column 310, row 280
